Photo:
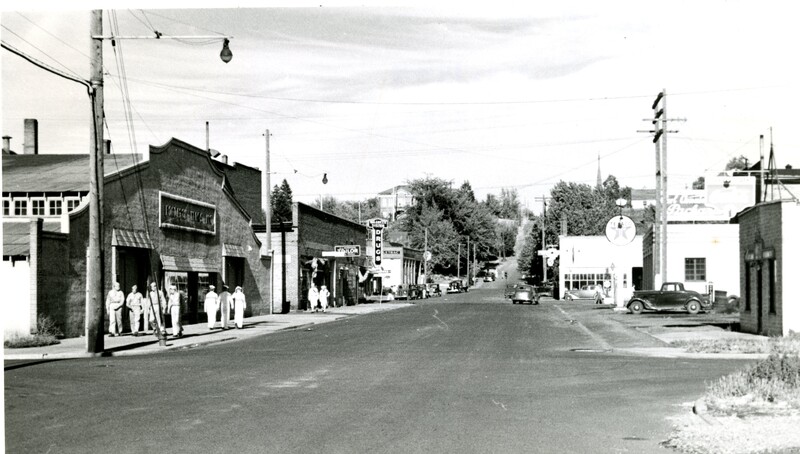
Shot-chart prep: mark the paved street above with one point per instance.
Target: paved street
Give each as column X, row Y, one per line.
column 461, row 373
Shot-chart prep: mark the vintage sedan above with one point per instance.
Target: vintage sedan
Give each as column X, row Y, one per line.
column 433, row 290
column 456, row 287
column 672, row 296
column 587, row 292
column 524, row 294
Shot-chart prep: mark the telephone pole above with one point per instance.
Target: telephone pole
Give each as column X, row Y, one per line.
column 94, row 256
column 268, row 222
column 660, row 124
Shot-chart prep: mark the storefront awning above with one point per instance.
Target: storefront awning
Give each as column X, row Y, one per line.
column 200, row 265
column 130, row 238
column 232, row 250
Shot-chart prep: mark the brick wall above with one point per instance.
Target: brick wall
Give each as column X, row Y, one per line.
column 131, row 202
column 761, row 229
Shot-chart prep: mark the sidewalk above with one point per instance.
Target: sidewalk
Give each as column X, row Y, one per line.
column 195, row 335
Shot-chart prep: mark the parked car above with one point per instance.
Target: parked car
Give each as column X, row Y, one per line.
column 415, row 292
column 588, row 292
column 524, row 294
column 488, row 278
column 401, row 293
column 434, row 290
column 510, row 289
column 672, row 296
column 456, row 287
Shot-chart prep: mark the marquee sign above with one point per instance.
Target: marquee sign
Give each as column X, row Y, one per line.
column 377, row 225
column 182, row 213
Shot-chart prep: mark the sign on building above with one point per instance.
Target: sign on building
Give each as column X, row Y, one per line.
column 377, row 225
column 182, row 213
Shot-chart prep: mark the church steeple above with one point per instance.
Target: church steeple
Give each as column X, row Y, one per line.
column 599, row 177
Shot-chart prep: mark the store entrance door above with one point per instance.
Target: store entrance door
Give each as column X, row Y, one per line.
column 133, row 268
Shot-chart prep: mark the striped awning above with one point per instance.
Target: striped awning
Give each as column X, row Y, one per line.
column 130, row 238
column 200, row 265
column 232, row 250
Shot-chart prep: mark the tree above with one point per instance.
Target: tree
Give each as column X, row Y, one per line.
column 737, row 163
column 699, row 183
column 281, row 202
column 509, row 203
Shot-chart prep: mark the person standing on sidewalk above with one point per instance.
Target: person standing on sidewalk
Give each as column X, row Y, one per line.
column 174, row 308
column 239, row 305
column 313, row 298
column 225, row 303
column 134, row 303
column 323, row 297
column 210, row 306
column 114, row 302
column 155, row 304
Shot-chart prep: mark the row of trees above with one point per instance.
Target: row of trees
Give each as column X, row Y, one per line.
column 451, row 217
column 583, row 210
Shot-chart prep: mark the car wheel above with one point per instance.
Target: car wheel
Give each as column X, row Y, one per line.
column 636, row 307
column 693, row 307
column 568, row 297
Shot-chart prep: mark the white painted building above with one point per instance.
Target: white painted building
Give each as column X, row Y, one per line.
column 591, row 260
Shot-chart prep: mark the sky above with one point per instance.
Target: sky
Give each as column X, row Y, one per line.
column 501, row 97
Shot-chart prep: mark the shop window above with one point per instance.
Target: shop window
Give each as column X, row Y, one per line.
column 55, row 207
column 695, row 269
column 6, row 207
column 72, row 203
column 20, row 208
column 771, row 286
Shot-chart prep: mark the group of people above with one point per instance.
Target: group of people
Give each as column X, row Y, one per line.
column 224, row 302
column 153, row 306
column 318, row 298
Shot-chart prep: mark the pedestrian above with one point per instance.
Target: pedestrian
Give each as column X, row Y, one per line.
column 313, row 298
column 115, row 300
column 323, row 297
column 225, row 303
column 153, row 307
column 239, row 305
column 134, row 303
column 210, row 306
column 174, row 308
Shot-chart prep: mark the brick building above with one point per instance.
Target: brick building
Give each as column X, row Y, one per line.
column 299, row 259
column 768, row 246
column 180, row 218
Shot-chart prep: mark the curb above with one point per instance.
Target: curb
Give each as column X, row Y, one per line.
column 701, row 410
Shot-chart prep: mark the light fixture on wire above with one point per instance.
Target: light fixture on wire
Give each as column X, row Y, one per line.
column 325, row 178
column 226, row 55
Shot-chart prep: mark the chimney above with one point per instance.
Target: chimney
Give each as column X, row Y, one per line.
column 7, row 143
column 107, row 146
column 31, row 143
column 224, row 158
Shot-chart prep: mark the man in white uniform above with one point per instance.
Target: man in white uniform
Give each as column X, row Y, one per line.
column 114, row 302
column 134, row 303
column 239, row 305
column 225, row 303
column 210, row 306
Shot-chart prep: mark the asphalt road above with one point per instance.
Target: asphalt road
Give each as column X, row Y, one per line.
column 461, row 373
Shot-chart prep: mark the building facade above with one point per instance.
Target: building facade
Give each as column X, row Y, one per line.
column 768, row 246
column 174, row 219
column 594, row 260
column 303, row 254
column 395, row 201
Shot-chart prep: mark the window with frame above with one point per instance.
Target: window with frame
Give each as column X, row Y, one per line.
column 55, row 207
column 6, row 207
column 20, row 208
column 771, row 286
column 695, row 269
column 37, row 207
column 72, row 204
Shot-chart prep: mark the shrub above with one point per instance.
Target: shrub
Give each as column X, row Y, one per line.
column 773, row 380
column 47, row 333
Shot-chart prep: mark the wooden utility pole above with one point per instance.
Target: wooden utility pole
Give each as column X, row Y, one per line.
column 94, row 257
column 458, row 263
column 468, row 275
column 424, row 255
column 268, row 221
column 544, row 245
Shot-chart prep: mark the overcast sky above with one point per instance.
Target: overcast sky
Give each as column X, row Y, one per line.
column 374, row 97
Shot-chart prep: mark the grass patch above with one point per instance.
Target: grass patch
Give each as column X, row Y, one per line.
column 47, row 334
column 724, row 345
column 767, row 386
